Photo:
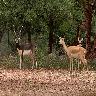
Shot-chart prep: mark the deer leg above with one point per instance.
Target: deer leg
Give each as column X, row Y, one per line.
column 33, row 61
column 78, row 64
column 85, row 64
column 84, row 61
column 36, row 64
column 32, row 58
column 20, row 61
column 72, row 64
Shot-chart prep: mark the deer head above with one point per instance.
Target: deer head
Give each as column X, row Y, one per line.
column 80, row 41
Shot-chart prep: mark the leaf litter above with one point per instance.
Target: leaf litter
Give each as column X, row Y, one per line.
column 47, row 82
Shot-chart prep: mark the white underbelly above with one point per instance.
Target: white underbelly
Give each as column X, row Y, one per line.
column 25, row 52
column 75, row 55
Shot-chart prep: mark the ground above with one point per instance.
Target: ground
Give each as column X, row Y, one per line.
column 47, row 82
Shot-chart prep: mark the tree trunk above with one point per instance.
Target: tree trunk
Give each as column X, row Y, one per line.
column 88, row 18
column 50, row 42
column 27, row 30
column 29, row 36
column 86, row 24
column 94, row 46
column 51, row 29
column 1, row 35
column 8, row 38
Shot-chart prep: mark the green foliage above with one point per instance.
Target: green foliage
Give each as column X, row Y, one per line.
column 65, row 15
column 25, row 10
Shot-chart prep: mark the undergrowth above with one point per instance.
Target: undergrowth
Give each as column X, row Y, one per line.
column 43, row 59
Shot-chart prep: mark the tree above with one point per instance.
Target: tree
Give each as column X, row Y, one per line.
column 88, row 6
column 52, row 14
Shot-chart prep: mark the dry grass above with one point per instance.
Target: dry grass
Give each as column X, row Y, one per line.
column 44, row 82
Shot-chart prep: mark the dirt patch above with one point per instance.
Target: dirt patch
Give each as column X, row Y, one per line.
column 43, row 82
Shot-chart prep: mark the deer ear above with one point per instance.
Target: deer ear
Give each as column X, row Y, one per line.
column 78, row 38
column 15, row 40
column 18, row 38
column 81, row 39
column 59, row 37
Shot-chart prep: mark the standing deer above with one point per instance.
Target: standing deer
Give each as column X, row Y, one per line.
column 80, row 45
column 77, row 52
column 25, row 49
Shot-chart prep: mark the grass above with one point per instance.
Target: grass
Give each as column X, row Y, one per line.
column 43, row 61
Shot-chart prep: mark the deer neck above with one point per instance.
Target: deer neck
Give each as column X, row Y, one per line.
column 65, row 47
column 17, row 45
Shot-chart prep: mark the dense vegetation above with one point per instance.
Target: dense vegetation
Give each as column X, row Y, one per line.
column 41, row 22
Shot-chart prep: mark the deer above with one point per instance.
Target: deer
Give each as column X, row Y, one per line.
column 77, row 52
column 80, row 44
column 25, row 49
